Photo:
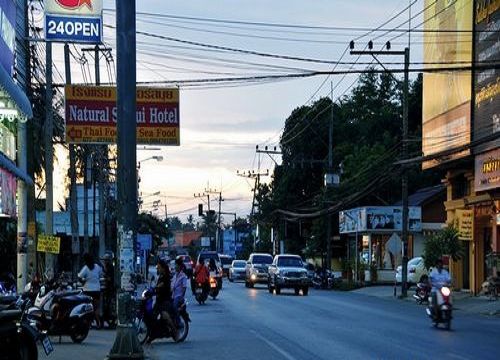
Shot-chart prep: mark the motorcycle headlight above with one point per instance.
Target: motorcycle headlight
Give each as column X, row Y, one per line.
column 253, row 277
column 445, row 291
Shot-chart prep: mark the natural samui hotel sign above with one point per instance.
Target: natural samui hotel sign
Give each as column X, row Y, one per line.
column 73, row 21
column 91, row 115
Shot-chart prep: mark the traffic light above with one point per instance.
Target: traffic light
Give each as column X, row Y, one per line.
column 200, row 209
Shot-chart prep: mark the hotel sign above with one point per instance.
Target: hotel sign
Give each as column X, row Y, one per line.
column 487, row 171
column 91, row 115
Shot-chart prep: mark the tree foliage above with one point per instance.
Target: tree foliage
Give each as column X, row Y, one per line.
column 445, row 242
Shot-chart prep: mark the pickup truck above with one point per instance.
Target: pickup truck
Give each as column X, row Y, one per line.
column 287, row 271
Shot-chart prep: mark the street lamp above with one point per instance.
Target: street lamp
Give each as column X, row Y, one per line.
column 158, row 158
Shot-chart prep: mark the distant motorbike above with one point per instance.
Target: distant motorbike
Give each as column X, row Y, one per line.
column 422, row 293
column 62, row 311
column 491, row 287
column 442, row 313
column 323, row 280
column 214, row 285
column 201, row 293
column 149, row 324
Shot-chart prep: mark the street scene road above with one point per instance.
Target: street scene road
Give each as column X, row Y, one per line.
column 251, row 323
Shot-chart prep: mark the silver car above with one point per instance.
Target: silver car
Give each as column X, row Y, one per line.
column 256, row 269
column 237, row 270
column 287, row 271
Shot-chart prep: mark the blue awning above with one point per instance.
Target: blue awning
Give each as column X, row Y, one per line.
column 9, row 165
column 15, row 92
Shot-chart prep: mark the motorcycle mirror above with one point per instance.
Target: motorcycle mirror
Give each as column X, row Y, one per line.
column 42, row 291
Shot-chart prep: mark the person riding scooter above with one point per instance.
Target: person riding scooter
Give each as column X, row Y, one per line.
column 438, row 278
column 179, row 286
column 200, row 276
column 163, row 292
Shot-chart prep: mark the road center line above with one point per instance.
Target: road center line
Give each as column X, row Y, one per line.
column 274, row 346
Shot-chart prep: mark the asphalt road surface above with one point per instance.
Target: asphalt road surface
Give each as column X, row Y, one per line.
column 253, row 324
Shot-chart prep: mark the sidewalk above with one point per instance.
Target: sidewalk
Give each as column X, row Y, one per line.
column 478, row 305
column 96, row 346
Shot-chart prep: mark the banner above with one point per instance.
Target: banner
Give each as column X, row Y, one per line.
column 465, row 224
column 8, row 188
column 48, row 244
column 486, row 81
column 7, row 34
column 77, row 21
column 91, row 115
column 447, row 94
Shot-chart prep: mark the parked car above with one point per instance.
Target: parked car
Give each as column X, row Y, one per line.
column 311, row 270
column 237, row 270
column 287, row 271
column 416, row 269
column 226, row 261
column 188, row 264
column 256, row 269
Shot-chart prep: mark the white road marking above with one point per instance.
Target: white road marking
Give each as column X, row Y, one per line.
column 274, row 346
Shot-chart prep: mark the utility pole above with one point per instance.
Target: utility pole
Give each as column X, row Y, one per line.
column 101, row 152
column 126, row 344
column 404, row 152
column 73, row 197
column 209, row 191
column 329, row 171
column 49, row 156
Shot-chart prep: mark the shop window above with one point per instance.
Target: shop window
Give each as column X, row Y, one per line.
column 386, row 251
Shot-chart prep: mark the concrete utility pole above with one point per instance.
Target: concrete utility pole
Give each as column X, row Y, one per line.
column 22, row 163
column 329, row 171
column 49, row 156
column 217, row 234
column 73, row 197
column 126, row 344
column 404, row 152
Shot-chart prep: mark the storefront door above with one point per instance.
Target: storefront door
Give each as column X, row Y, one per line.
column 466, row 265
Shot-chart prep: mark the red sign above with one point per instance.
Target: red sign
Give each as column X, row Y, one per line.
column 74, row 4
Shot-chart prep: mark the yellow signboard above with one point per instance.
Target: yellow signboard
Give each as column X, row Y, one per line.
column 465, row 219
column 49, row 244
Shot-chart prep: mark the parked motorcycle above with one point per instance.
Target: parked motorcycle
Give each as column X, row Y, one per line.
column 442, row 312
column 62, row 311
column 323, row 280
column 422, row 293
column 18, row 338
column 491, row 287
column 150, row 325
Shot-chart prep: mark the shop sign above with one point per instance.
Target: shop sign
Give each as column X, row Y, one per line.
column 379, row 219
column 8, row 188
column 91, row 115
column 48, row 244
column 486, row 81
column 7, row 34
column 487, row 171
column 465, row 224
column 446, row 104
column 77, row 21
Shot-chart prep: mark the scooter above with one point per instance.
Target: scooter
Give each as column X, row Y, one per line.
column 18, row 336
column 442, row 313
column 201, row 293
column 422, row 293
column 60, row 311
column 323, row 280
column 150, row 325
column 214, row 285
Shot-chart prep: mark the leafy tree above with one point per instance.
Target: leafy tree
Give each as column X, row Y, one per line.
column 150, row 224
column 445, row 242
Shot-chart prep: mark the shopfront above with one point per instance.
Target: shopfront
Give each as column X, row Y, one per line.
column 373, row 235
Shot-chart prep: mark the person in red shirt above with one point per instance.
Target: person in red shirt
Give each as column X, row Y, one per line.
column 200, row 275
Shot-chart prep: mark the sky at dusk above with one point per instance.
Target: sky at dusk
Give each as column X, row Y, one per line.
column 220, row 126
